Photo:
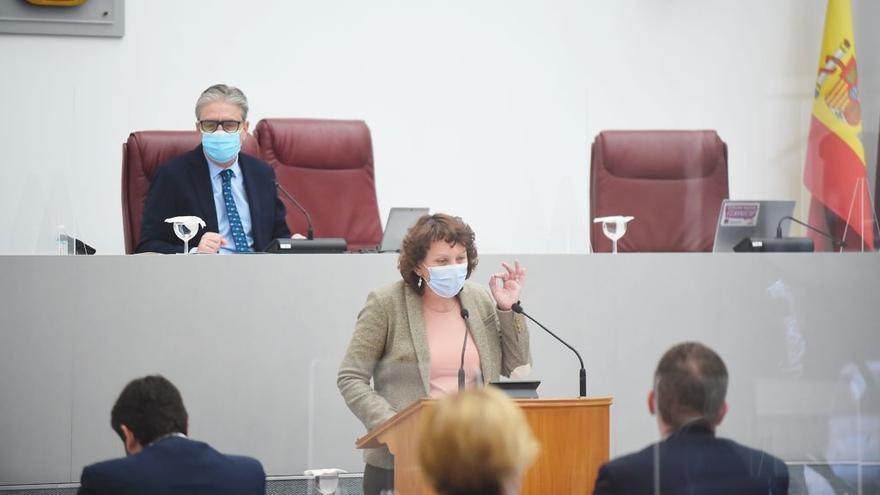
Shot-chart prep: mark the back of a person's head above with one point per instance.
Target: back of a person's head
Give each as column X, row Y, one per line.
column 150, row 407
column 690, row 383
column 475, row 442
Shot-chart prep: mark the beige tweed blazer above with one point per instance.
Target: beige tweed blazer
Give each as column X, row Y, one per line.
column 390, row 346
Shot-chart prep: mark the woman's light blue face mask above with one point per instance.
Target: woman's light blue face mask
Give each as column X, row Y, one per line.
column 447, row 281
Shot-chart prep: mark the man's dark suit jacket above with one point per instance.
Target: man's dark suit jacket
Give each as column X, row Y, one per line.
column 175, row 466
column 693, row 461
column 182, row 186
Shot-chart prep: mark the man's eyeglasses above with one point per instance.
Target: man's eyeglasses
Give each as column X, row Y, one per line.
column 212, row 125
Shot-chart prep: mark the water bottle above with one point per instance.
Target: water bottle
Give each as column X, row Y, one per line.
column 63, row 241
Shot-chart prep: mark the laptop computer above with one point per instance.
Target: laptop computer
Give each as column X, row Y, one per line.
column 399, row 221
column 740, row 219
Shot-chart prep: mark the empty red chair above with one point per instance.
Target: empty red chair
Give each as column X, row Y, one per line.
column 327, row 165
column 672, row 182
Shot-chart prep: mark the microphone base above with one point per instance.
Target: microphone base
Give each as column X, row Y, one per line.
column 775, row 245
column 302, row 246
column 582, row 379
column 518, row 389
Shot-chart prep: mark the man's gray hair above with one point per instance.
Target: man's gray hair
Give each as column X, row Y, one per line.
column 222, row 92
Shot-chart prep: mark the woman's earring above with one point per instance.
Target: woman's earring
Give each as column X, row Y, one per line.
column 420, row 282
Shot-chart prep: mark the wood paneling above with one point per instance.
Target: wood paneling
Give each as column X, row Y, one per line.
column 574, row 437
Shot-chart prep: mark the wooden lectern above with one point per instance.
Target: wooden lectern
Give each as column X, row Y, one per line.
column 573, row 434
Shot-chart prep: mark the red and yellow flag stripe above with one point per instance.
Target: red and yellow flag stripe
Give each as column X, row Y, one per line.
column 835, row 170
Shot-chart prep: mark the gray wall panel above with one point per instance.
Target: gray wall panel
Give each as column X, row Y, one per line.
column 36, row 359
column 254, row 341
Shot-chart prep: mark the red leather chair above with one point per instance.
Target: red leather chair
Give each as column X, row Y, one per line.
column 672, row 182
column 327, row 165
column 142, row 154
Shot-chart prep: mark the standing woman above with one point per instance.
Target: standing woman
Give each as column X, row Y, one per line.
column 409, row 334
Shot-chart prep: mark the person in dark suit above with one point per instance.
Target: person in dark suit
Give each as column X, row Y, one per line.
column 688, row 399
column 151, row 420
column 232, row 192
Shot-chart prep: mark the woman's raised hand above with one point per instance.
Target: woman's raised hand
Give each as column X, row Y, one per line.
column 512, row 281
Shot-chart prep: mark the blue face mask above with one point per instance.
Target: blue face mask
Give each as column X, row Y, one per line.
column 221, row 146
column 447, row 281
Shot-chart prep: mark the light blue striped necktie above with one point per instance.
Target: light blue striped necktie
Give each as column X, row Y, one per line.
column 241, row 244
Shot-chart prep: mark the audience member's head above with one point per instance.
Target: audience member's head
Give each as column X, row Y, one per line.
column 475, row 442
column 147, row 409
column 690, row 385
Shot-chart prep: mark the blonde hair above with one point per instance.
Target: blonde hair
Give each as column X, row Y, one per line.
column 473, row 442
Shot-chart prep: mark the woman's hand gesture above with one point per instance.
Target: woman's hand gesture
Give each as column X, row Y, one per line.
column 512, row 281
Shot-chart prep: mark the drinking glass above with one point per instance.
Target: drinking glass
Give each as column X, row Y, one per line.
column 185, row 228
column 184, row 233
column 613, row 227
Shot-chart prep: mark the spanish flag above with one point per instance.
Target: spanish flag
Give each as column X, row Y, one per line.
column 835, row 172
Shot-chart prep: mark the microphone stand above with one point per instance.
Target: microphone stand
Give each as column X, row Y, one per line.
column 310, row 235
column 835, row 244
column 517, row 308
column 464, row 315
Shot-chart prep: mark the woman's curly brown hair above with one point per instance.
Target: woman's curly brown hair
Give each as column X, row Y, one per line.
column 418, row 240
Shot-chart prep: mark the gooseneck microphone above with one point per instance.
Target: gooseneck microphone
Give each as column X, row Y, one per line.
column 464, row 316
column 311, row 232
column 517, row 308
column 834, row 242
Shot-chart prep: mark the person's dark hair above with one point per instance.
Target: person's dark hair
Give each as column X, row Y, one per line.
column 150, row 407
column 690, row 381
column 418, row 240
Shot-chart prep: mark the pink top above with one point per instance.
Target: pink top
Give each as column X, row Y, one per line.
column 445, row 332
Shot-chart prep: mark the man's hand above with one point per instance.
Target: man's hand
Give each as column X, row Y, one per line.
column 211, row 242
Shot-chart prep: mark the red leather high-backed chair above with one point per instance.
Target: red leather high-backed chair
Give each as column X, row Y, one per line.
column 327, row 165
column 672, row 182
column 142, row 154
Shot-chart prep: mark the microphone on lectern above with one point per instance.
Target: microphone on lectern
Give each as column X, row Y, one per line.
column 517, row 308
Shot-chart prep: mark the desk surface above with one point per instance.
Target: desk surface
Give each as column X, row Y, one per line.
column 254, row 342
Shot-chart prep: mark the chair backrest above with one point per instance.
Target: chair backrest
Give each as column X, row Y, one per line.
column 142, row 154
column 672, row 182
column 327, row 165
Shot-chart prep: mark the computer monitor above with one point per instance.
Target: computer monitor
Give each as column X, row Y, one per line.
column 738, row 220
column 399, row 221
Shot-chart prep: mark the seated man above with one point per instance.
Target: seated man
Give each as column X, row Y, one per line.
column 232, row 192
column 150, row 419
column 690, row 385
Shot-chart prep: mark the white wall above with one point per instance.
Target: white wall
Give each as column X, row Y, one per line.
column 486, row 109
